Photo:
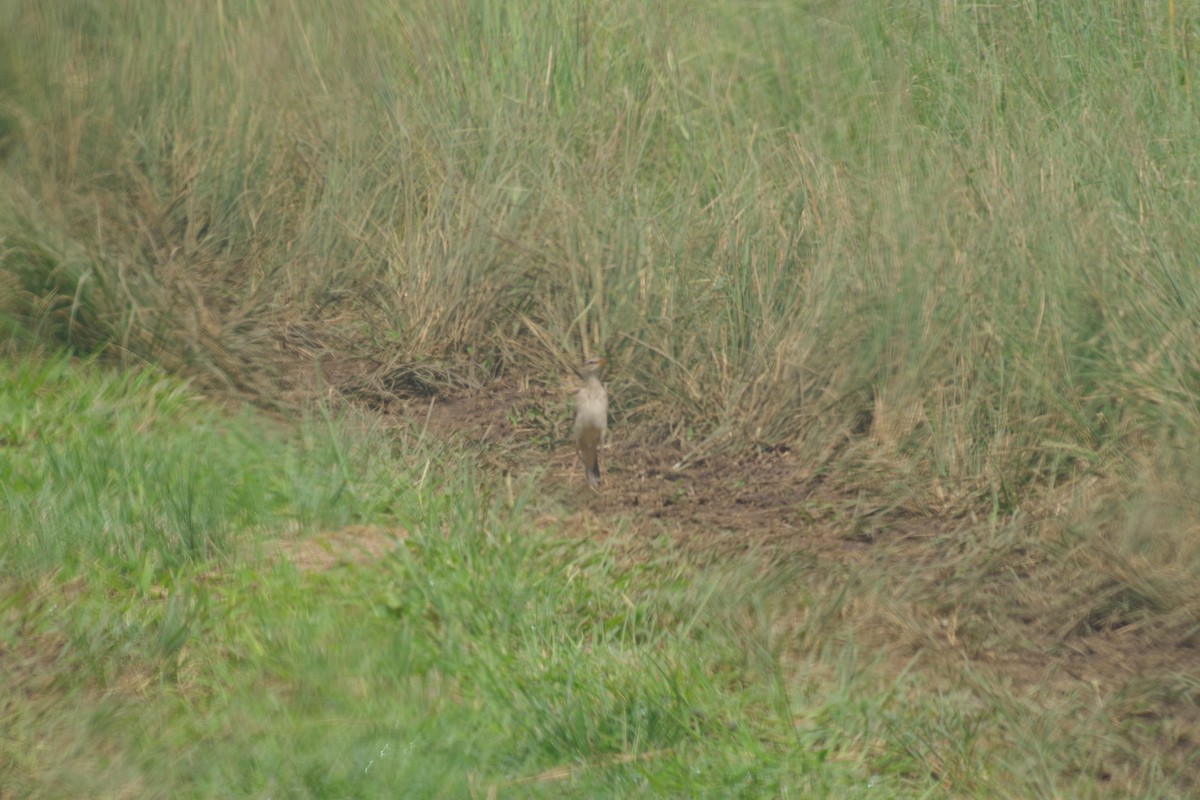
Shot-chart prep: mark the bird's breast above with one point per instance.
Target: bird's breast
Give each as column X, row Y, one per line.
column 591, row 408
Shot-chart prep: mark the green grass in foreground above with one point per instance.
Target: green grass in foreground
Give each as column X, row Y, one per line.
column 483, row 654
column 153, row 649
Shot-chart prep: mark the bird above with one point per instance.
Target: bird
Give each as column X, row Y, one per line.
column 591, row 419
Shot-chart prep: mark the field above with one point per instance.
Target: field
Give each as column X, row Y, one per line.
column 902, row 488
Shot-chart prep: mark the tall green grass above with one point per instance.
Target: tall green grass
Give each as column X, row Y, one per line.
column 957, row 238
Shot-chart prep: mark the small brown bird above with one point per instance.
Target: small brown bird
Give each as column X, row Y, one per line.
column 591, row 419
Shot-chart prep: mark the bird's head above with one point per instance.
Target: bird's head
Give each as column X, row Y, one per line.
column 593, row 365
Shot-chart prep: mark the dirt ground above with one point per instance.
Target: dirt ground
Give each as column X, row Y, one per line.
column 772, row 506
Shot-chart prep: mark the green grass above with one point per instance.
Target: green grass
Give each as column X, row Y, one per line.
column 186, row 658
column 485, row 653
column 134, row 470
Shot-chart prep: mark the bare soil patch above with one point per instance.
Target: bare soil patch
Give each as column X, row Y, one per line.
column 354, row 544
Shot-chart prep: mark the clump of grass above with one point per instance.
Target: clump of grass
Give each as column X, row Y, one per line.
column 133, row 470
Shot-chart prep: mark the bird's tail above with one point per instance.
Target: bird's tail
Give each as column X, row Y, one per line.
column 589, row 454
column 593, row 470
